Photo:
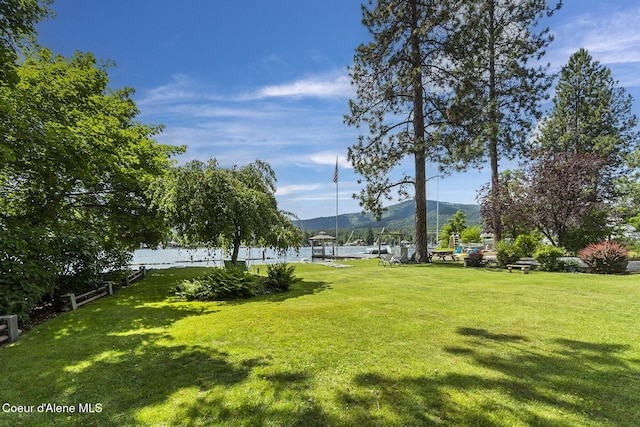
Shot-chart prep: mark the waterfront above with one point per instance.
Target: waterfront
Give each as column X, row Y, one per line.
column 182, row 257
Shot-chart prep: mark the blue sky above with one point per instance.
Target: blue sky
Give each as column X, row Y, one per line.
column 254, row 79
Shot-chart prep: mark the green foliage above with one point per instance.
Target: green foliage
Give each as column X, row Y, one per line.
column 547, row 256
column 234, row 283
column 594, row 226
column 76, row 169
column 471, row 234
column 215, row 206
column 455, row 225
column 389, row 73
column 18, row 19
column 507, row 253
column 279, row 278
column 500, row 83
column 605, row 257
column 527, row 244
column 219, row 284
column 27, row 269
column 369, row 238
column 591, row 113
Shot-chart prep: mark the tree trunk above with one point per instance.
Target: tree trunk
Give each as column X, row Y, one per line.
column 493, row 123
column 420, row 185
column 236, row 249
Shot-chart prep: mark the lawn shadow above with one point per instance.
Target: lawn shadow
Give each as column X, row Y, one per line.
column 483, row 333
column 297, row 290
column 560, row 382
column 292, row 405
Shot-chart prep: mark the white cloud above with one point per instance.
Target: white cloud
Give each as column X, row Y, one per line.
column 180, row 88
column 328, row 158
column 611, row 38
column 287, row 190
column 330, row 86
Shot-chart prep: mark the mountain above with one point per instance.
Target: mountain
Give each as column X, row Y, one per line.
column 400, row 216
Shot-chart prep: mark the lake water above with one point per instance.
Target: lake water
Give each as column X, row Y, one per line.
column 181, row 257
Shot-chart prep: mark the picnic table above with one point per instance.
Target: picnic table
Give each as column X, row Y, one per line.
column 443, row 254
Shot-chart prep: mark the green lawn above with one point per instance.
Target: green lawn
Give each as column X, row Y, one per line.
column 413, row 345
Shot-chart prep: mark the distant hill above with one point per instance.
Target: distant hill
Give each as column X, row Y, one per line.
column 397, row 217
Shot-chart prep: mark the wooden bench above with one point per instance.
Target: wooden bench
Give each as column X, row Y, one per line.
column 523, row 267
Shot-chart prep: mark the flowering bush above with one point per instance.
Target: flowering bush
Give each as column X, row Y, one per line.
column 605, row 257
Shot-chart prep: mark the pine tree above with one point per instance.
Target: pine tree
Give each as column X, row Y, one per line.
column 590, row 114
column 400, row 98
column 498, row 88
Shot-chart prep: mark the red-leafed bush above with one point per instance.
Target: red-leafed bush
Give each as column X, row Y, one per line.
column 605, row 257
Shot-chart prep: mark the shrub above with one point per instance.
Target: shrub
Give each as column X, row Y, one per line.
column 605, row 257
column 219, row 284
column 471, row 235
column 279, row 278
column 548, row 256
column 474, row 259
column 507, row 253
column 527, row 244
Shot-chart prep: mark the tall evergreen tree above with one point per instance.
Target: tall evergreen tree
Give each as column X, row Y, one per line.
column 499, row 85
column 400, row 98
column 591, row 113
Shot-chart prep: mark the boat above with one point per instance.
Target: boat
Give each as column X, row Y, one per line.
column 377, row 251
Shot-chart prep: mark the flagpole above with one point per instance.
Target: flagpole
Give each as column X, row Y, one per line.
column 335, row 179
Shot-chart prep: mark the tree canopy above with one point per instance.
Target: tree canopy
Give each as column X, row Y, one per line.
column 17, row 25
column 76, row 170
column 591, row 113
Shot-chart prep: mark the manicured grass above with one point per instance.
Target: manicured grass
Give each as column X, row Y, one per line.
column 364, row 346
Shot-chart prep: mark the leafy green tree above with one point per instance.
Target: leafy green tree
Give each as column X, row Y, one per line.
column 398, row 80
column 75, row 184
column 498, row 86
column 17, row 24
column 214, row 206
column 471, row 234
column 455, row 225
column 369, row 238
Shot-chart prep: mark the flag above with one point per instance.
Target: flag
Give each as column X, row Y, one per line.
column 335, row 173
